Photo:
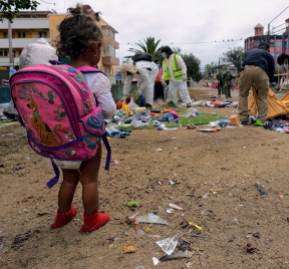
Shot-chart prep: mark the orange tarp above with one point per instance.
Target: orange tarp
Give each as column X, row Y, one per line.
column 276, row 107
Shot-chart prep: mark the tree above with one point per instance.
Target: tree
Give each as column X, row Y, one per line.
column 150, row 45
column 210, row 70
column 235, row 56
column 10, row 8
column 193, row 66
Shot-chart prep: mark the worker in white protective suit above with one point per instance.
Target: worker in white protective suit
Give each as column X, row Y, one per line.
column 147, row 71
column 128, row 72
column 38, row 52
column 175, row 70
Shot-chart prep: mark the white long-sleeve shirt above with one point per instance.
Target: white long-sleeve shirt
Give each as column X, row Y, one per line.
column 100, row 86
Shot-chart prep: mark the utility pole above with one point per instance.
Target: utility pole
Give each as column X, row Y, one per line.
column 10, row 44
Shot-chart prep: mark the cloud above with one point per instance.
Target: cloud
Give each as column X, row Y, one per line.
column 186, row 21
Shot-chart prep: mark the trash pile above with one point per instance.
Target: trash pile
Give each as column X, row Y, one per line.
column 130, row 116
column 278, row 125
column 215, row 103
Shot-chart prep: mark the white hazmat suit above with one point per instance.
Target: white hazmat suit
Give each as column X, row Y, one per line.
column 147, row 75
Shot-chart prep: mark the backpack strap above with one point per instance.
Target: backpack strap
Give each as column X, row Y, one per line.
column 108, row 154
column 87, row 69
column 53, row 181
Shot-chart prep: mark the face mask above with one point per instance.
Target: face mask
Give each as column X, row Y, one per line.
column 164, row 55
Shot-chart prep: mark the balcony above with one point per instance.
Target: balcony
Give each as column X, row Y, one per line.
column 110, row 41
column 27, row 23
column 17, row 42
column 109, row 61
column 4, row 61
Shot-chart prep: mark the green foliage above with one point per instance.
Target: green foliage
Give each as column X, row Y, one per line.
column 10, row 8
column 210, row 70
column 235, row 56
column 150, row 45
column 193, row 66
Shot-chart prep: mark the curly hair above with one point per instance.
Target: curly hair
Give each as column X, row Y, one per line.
column 75, row 33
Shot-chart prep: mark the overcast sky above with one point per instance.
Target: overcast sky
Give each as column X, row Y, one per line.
column 184, row 23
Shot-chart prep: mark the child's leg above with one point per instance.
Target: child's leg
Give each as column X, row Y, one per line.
column 88, row 178
column 93, row 219
column 68, row 186
column 67, row 189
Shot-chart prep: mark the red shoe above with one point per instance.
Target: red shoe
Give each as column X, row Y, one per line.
column 94, row 221
column 62, row 218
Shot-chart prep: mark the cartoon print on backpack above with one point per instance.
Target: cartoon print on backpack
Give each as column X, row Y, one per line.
column 26, row 90
column 50, row 98
column 46, row 136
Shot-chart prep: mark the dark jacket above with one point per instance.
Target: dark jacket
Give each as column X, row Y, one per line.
column 261, row 58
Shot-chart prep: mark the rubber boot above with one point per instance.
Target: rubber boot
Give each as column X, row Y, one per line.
column 94, row 221
column 62, row 218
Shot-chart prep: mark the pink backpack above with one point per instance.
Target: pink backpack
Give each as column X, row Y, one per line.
column 62, row 118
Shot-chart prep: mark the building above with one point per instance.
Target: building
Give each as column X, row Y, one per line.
column 26, row 28
column 29, row 26
column 279, row 42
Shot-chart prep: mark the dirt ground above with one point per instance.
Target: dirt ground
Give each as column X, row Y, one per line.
column 215, row 175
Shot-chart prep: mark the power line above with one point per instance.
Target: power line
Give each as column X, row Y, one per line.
column 230, row 40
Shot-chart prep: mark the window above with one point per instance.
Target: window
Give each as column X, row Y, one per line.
column 19, row 35
column 42, row 34
column 23, row 34
column 5, row 53
column 5, row 34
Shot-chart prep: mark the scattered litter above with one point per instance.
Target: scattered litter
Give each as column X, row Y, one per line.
column 218, row 104
column 188, row 224
column 235, row 120
column 112, row 132
column 189, row 264
column 177, row 256
column 170, row 211
column 116, row 162
column 173, row 182
column 198, row 235
column 140, row 267
column 261, row 189
column 250, row 249
column 131, row 219
column 150, row 219
column 192, row 112
column 168, row 245
column 159, row 150
column 191, row 127
column 209, row 130
column 129, row 249
column 20, row 239
column 133, row 204
column 156, row 261
column 174, row 206
column 184, row 245
column 257, row 235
